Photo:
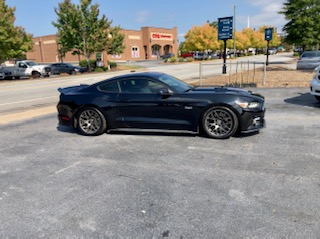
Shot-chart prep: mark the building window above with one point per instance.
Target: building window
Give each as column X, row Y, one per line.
column 155, row 50
column 116, row 56
column 135, row 52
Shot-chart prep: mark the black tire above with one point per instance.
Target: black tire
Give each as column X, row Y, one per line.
column 219, row 122
column 91, row 122
column 36, row 74
column 317, row 97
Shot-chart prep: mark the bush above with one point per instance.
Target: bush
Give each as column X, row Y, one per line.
column 181, row 59
column 83, row 63
column 190, row 59
column 173, row 59
column 112, row 64
column 296, row 54
column 99, row 69
column 165, row 60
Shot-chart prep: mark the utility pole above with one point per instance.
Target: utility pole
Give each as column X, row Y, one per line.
column 234, row 29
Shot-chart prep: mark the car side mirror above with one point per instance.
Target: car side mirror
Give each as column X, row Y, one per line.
column 164, row 92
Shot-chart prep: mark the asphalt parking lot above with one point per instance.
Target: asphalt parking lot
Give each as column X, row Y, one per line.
column 56, row 183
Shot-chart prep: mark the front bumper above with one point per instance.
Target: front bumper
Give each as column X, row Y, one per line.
column 252, row 121
column 315, row 87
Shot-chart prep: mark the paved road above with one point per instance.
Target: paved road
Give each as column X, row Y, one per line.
column 55, row 183
column 26, row 95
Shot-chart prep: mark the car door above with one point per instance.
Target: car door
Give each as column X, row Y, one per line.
column 54, row 69
column 146, row 103
column 22, row 69
column 63, row 68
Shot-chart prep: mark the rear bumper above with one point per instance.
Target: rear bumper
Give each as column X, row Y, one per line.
column 65, row 115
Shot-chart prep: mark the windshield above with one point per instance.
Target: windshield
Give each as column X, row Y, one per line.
column 31, row 63
column 174, row 83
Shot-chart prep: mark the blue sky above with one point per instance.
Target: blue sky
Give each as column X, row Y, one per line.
column 36, row 15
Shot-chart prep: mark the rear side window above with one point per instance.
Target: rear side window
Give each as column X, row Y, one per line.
column 309, row 54
column 109, row 87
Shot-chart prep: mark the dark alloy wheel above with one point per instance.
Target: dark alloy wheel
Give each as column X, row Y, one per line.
column 317, row 97
column 219, row 122
column 91, row 122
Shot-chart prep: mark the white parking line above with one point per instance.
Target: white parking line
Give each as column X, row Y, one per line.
column 22, row 101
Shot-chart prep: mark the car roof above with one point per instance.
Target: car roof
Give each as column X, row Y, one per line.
column 139, row 74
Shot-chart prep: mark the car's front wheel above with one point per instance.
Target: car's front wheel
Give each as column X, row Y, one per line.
column 36, row 74
column 91, row 122
column 219, row 122
column 317, row 97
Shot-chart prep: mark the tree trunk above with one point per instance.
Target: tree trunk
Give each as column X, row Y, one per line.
column 88, row 64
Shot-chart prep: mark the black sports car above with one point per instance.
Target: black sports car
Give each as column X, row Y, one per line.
column 157, row 101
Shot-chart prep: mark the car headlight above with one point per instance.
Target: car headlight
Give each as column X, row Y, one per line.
column 315, row 72
column 248, row 105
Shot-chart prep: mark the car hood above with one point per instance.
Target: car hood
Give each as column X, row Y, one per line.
column 226, row 90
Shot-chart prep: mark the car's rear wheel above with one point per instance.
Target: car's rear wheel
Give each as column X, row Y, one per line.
column 317, row 97
column 91, row 122
column 219, row 122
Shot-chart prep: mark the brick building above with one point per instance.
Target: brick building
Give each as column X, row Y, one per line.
column 148, row 43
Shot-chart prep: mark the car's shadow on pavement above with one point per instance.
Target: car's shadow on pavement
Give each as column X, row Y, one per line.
column 66, row 129
column 304, row 99
column 245, row 135
column 149, row 133
column 71, row 130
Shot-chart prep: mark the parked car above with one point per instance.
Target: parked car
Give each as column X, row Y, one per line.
column 187, row 55
column 26, row 68
column 201, row 56
column 308, row 60
column 59, row 68
column 167, row 56
column 5, row 74
column 272, row 51
column 315, row 84
column 123, row 102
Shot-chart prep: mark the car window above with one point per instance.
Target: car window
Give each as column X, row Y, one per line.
column 309, row 54
column 109, row 87
column 140, row 85
column 174, row 83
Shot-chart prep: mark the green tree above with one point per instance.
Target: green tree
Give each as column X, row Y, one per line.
column 213, row 24
column 14, row 41
column 115, row 45
column 80, row 29
column 303, row 19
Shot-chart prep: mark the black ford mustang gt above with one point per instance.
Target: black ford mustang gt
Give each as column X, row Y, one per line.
column 157, row 101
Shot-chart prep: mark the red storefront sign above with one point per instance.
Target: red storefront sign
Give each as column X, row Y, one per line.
column 161, row 36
